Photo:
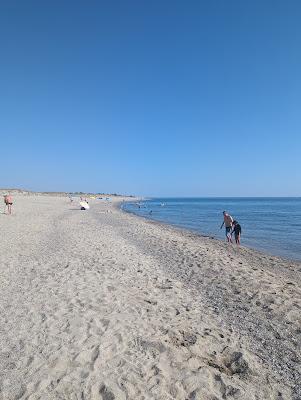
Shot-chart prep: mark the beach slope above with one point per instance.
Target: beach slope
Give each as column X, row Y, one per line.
column 104, row 305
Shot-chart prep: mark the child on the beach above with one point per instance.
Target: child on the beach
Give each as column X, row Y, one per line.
column 237, row 231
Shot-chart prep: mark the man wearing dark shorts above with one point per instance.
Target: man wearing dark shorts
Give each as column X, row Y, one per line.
column 8, row 200
column 228, row 221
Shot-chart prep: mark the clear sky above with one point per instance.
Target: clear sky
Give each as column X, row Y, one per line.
column 157, row 98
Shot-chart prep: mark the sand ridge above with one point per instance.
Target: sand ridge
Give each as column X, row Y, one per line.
column 105, row 305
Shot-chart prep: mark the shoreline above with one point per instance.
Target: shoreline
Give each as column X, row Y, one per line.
column 261, row 252
column 105, row 305
column 290, row 269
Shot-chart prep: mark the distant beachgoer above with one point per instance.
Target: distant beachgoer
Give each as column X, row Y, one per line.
column 8, row 200
column 237, row 231
column 228, row 221
column 84, row 205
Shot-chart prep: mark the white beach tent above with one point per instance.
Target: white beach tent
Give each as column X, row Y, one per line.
column 84, row 205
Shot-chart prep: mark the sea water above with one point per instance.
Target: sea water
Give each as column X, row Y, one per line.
column 272, row 225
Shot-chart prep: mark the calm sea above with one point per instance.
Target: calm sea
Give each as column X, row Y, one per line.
column 269, row 224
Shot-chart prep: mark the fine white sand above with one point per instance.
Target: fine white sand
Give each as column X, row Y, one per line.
column 104, row 305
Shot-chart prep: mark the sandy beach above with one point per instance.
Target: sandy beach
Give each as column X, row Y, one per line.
column 104, row 305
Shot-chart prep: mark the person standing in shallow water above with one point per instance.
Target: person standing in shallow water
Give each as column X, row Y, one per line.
column 228, row 221
column 237, row 231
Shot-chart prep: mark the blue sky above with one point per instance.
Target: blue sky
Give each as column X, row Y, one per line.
column 157, row 98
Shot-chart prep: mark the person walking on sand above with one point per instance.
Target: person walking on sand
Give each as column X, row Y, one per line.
column 237, row 231
column 228, row 221
column 8, row 200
